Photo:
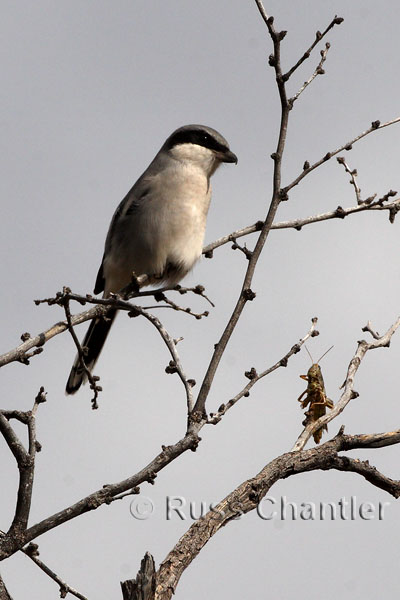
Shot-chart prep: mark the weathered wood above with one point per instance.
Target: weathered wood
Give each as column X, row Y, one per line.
column 144, row 586
column 4, row 595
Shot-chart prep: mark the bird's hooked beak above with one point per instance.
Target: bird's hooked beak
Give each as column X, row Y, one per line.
column 227, row 157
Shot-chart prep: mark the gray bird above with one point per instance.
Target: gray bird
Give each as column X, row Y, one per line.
column 158, row 228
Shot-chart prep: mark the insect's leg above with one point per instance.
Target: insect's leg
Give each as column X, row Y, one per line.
column 301, row 395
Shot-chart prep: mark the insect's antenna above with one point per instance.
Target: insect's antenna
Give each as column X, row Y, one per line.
column 324, row 354
column 309, row 354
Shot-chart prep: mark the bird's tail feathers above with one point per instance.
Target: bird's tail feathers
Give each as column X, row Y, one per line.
column 93, row 341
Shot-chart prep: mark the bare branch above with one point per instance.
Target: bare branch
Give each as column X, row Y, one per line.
column 19, row 353
column 10, row 544
column 247, row 293
column 102, row 305
column 338, row 213
column 318, row 37
column 369, row 472
column 161, row 297
column 171, row 345
column 4, row 595
column 93, row 379
column 255, row 377
column 318, row 71
column 371, row 440
column 353, row 180
column 368, row 327
column 375, row 126
column 243, row 249
column 208, row 250
column 26, row 466
column 247, row 496
column 13, row 442
column 348, row 393
column 32, row 551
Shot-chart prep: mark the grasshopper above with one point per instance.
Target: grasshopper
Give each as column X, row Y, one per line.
column 316, row 396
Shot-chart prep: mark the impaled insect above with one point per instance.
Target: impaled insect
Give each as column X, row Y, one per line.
column 316, row 396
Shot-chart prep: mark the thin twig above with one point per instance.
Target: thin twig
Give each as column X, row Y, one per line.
column 353, row 180
column 93, row 379
column 318, row 37
column 175, row 365
column 348, row 393
column 255, row 377
column 318, row 71
column 10, row 544
column 236, row 246
column 375, row 126
column 161, row 297
column 32, row 552
column 246, row 293
column 338, row 213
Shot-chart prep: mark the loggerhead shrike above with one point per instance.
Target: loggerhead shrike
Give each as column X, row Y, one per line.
column 158, row 228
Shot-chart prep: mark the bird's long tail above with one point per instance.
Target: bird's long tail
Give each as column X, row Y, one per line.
column 93, row 341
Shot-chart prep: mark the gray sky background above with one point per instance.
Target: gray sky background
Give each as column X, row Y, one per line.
column 90, row 92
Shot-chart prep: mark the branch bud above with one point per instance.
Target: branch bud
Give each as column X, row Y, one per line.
column 248, row 294
column 252, row 374
column 339, row 212
column 283, row 195
column 171, row 368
